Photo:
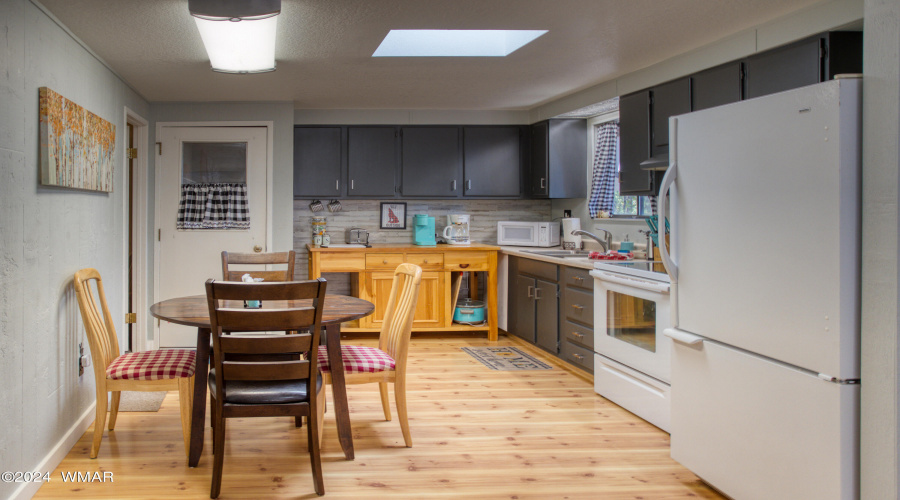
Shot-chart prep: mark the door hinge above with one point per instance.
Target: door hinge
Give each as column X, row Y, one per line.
column 131, row 153
column 131, row 317
column 159, row 148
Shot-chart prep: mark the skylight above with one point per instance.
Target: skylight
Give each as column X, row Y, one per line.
column 454, row 43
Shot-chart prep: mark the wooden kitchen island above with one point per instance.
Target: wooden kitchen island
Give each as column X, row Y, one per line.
column 372, row 271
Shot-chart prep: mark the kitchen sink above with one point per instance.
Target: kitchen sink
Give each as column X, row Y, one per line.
column 559, row 253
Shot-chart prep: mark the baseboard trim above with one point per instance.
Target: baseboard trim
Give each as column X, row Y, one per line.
column 58, row 453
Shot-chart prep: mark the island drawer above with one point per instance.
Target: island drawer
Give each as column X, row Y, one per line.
column 383, row 260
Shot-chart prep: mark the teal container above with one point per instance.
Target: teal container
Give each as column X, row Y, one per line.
column 423, row 230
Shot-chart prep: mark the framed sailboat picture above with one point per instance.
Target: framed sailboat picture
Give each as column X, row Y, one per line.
column 393, row 215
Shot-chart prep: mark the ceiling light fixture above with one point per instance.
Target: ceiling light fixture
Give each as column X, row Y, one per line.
column 239, row 35
column 454, row 43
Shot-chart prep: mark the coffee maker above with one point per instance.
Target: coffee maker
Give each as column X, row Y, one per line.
column 457, row 230
column 423, row 227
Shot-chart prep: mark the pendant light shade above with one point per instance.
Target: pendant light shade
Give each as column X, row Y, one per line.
column 239, row 35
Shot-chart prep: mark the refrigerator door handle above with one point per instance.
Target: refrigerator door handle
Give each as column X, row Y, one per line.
column 683, row 337
column 667, row 181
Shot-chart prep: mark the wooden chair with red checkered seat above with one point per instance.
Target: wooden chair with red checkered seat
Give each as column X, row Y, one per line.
column 163, row 370
column 386, row 363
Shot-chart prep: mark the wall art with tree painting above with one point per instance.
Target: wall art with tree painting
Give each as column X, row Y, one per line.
column 77, row 146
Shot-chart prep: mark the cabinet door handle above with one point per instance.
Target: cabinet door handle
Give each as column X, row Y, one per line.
column 453, row 185
column 543, row 183
column 469, row 185
column 579, row 335
column 337, row 184
column 578, row 306
column 463, row 266
column 537, row 296
column 578, row 279
column 530, row 292
column 351, row 184
column 579, row 357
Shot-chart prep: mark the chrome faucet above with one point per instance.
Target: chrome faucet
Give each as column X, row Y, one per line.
column 606, row 245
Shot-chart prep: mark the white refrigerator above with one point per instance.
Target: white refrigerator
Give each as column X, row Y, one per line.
column 763, row 197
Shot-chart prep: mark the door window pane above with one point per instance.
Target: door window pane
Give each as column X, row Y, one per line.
column 214, row 162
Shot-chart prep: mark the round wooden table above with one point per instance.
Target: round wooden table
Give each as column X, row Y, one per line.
column 194, row 311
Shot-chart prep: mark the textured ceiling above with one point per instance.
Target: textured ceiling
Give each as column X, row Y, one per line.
column 324, row 48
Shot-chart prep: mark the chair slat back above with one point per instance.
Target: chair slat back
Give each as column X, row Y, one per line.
column 98, row 323
column 258, row 261
column 400, row 312
column 227, row 315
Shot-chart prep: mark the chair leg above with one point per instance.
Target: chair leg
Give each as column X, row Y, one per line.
column 99, row 422
column 212, row 417
column 114, row 409
column 385, row 401
column 320, row 414
column 218, row 457
column 400, row 396
column 315, row 456
column 185, row 400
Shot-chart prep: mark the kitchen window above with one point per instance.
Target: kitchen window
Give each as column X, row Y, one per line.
column 605, row 170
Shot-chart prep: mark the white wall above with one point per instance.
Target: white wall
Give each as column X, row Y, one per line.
column 46, row 235
column 880, row 421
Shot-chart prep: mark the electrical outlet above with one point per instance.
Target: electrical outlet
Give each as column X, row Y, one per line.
column 567, row 213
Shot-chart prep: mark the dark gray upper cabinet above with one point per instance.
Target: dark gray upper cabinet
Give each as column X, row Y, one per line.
column 716, row 86
column 372, row 159
column 668, row 99
column 492, row 161
column 785, row 68
column 431, row 162
column 318, row 161
column 559, row 159
column 634, row 144
column 813, row 60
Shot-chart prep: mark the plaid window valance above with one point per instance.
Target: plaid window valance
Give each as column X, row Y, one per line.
column 606, row 166
column 213, row 206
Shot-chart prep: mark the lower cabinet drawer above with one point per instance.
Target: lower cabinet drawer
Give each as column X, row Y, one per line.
column 578, row 306
column 426, row 260
column 383, row 260
column 577, row 355
column 576, row 333
column 466, row 261
column 341, row 262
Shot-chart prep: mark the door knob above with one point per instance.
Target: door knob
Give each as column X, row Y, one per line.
column 257, row 248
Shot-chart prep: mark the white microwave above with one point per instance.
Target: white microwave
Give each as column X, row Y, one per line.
column 528, row 234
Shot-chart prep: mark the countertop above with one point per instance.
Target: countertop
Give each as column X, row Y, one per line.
column 582, row 262
column 402, row 247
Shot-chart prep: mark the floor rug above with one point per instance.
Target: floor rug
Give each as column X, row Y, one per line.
column 505, row 358
column 141, row 401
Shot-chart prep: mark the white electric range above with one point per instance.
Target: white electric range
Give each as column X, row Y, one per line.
column 631, row 360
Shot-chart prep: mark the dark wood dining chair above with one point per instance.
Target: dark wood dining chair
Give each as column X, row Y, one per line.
column 268, row 386
column 385, row 364
column 161, row 370
column 235, row 265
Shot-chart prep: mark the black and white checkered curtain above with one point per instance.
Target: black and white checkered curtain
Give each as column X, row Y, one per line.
column 603, row 184
column 213, row 206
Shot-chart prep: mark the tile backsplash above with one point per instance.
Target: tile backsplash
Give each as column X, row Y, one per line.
column 365, row 214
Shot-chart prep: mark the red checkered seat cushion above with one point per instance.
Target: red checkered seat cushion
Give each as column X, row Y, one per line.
column 359, row 359
column 153, row 365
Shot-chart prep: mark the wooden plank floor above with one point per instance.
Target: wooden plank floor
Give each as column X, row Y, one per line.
column 476, row 432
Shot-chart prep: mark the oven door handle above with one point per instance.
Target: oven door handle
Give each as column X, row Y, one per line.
column 683, row 337
column 634, row 283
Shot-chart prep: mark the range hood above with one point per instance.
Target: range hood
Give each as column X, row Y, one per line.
column 656, row 162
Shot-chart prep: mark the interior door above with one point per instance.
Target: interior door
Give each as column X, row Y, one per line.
column 210, row 156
